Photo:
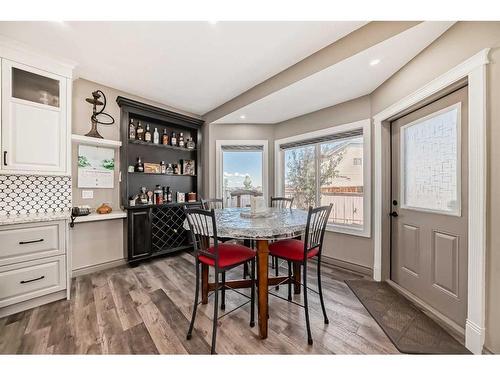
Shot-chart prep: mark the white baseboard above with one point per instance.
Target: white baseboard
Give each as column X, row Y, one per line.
column 474, row 337
column 97, row 267
column 347, row 265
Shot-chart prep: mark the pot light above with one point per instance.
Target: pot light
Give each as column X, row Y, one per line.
column 212, row 22
column 374, row 62
column 243, row 117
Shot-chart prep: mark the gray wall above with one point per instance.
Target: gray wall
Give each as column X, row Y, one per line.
column 456, row 45
column 343, row 248
column 238, row 132
column 98, row 242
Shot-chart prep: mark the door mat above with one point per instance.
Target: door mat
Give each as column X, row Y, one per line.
column 409, row 329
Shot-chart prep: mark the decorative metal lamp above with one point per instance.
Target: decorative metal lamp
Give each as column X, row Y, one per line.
column 95, row 101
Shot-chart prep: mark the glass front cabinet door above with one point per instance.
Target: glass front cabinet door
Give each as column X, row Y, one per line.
column 34, row 120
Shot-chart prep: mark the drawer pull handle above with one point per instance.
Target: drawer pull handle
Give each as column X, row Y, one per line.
column 29, row 281
column 5, row 158
column 26, row 242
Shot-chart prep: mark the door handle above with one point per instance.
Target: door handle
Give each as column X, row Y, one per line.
column 394, row 214
column 5, row 158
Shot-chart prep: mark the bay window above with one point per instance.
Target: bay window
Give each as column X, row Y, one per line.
column 330, row 166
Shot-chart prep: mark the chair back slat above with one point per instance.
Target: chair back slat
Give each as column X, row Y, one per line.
column 281, row 202
column 203, row 229
column 212, row 203
column 317, row 219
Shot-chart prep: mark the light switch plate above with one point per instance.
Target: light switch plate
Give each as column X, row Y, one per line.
column 87, row 194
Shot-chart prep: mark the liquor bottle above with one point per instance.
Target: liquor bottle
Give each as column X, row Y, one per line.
column 147, row 134
column 164, row 138
column 163, row 167
column 139, row 166
column 131, row 129
column 169, row 169
column 139, row 132
column 173, row 139
column 169, row 195
column 158, row 195
column 156, row 137
column 181, row 140
column 190, row 144
column 176, row 169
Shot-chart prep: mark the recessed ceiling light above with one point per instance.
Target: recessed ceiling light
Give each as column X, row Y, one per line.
column 374, row 62
column 242, row 117
column 212, row 22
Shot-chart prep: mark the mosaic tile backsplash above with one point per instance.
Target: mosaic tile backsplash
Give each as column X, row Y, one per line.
column 22, row 195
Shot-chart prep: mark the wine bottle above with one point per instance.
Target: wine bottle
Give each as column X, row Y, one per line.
column 181, row 140
column 139, row 132
column 164, row 138
column 190, row 144
column 173, row 139
column 139, row 166
column 156, row 136
column 131, row 129
column 147, row 134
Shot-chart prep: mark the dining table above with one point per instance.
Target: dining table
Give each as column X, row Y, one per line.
column 261, row 228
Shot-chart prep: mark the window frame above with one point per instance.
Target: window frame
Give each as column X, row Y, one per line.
column 236, row 142
column 279, row 185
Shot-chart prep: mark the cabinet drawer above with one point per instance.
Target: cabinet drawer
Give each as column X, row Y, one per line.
column 27, row 280
column 31, row 241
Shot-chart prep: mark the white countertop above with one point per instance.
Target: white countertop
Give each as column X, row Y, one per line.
column 32, row 218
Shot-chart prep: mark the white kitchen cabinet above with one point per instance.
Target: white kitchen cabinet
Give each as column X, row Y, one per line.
column 34, row 131
column 35, row 262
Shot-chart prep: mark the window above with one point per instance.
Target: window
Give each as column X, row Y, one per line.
column 327, row 167
column 430, row 162
column 242, row 166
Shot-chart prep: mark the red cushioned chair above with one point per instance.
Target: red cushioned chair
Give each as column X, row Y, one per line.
column 299, row 252
column 222, row 257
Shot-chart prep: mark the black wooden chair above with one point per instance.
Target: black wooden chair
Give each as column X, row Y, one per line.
column 219, row 256
column 299, row 252
column 279, row 202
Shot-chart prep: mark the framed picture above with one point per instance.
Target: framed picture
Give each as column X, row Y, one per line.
column 188, row 167
column 96, row 167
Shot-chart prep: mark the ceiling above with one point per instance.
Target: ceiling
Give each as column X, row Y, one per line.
column 346, row 80
column 192, row 66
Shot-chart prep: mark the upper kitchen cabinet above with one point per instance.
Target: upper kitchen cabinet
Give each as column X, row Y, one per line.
column 36, row 118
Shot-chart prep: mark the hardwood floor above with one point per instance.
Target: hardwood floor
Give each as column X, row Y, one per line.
column 146, row 310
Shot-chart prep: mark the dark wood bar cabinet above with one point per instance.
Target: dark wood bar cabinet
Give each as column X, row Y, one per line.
column 156, row 229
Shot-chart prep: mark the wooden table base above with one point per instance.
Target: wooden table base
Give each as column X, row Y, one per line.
column 263, row 282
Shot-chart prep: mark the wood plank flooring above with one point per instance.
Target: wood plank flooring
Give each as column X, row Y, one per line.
column 146, row 310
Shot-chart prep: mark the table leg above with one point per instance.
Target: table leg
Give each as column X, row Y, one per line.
column 262, row 282
column 204, row 284
column 296, row 277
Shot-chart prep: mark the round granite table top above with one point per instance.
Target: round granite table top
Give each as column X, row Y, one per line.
column 278, row 223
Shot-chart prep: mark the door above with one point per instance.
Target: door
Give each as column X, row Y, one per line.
column 429, row 201
column 139, row 233
column 33, row 120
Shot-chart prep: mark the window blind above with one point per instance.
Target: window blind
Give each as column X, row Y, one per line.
column 323, row 139
column 242, row 148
